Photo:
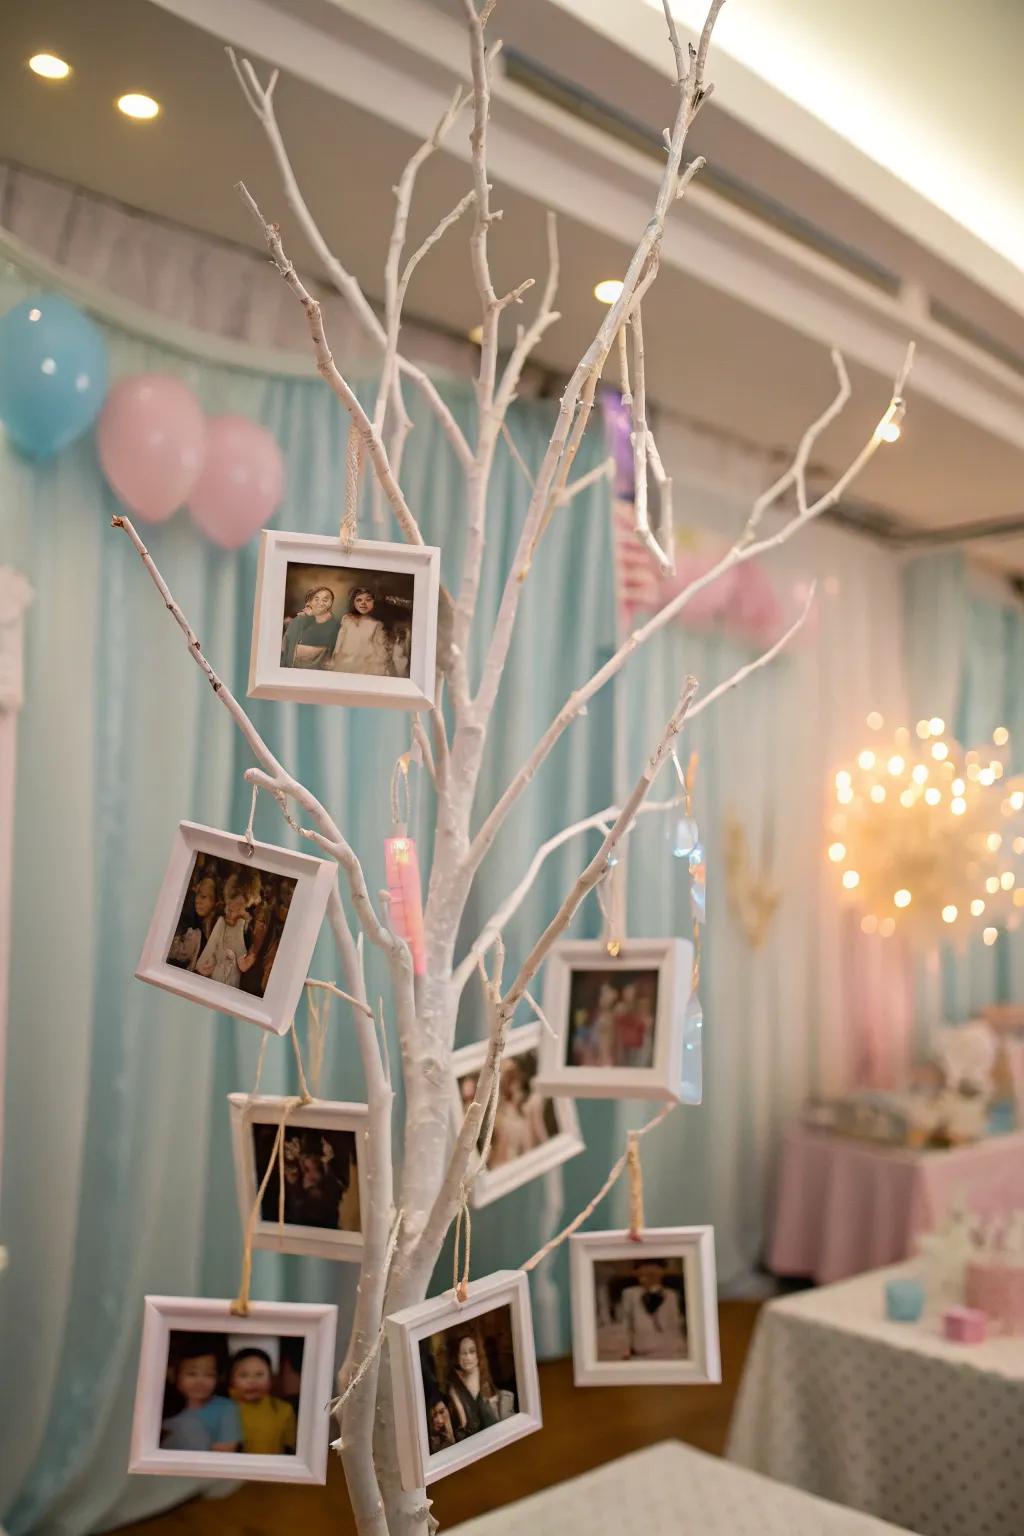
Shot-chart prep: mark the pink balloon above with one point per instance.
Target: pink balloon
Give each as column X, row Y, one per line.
column 150, row 437
column 755, row 610
column 241, row 483
column 711, row 602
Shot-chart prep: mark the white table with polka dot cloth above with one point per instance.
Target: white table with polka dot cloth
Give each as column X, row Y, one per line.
column 885, row 1417
column 672, row 1490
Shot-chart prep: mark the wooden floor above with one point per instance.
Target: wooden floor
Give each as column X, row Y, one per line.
column 582, row 1428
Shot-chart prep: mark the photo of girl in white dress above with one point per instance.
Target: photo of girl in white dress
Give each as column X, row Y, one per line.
column 340, row 619
column 231, row 922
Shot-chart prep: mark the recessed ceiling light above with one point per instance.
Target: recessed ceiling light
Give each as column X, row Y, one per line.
column 608, row 290
column 49, row 66
column 137, row 105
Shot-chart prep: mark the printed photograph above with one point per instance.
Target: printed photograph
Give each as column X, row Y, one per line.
column 524, row 1119
column 229, row 1392
column 641, row 1308
column 469, row 1378
column 321, row 1184
column 231, row 923
column 612, row 1014
column 340, row 619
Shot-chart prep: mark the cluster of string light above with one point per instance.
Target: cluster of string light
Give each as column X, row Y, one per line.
column 927, row 837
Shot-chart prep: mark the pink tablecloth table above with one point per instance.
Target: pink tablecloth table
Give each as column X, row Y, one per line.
column 845, row 1206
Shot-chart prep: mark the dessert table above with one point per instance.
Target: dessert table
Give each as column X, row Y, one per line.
column 845, row 1206
column 888, row 1418
column 673, row 1490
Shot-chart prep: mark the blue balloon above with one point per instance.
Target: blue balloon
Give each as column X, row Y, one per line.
column 53, row 374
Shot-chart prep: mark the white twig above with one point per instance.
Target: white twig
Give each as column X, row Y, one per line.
column 641, row 449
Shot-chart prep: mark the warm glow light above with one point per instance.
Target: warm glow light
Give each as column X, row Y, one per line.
column 844, row 795
column 1017, row 802
column 608, row 290
column 977, row 907
column 907, row 798
column 994, row 842
column 985, row 776
column 996, row 770
column 1018, row 896
column 949, row 914
column 875, row 721
column 933, row 796
column 878, row 793
column 958, row 806
column 936, row 725
column 939, row 751
column 843, row 779
column 837, row 852
column 919, row 774
column 923, row 729
column 992, row 884
column 1018, row 845
column 901, row 898
column 866, row 760
column 889, row 431
column 990, row 935
column 1000, row 735
column 851, row 879
column 896, row 764
column 1008, row 880
column 869, row 924
column 48, row 66
column 958, row 786
column 476, row 334
column 137, row 105
column 887, row 927
column 973, row 772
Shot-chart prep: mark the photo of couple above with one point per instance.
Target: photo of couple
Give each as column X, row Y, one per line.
column 231, row 923
column 612, row 1016
column 321, row 1187
column 469, row 1378
column 231, row 1392
column 339, row 619
column 641, row 1308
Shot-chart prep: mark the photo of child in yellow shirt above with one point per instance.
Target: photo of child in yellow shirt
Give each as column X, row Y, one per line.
column 268, row 1422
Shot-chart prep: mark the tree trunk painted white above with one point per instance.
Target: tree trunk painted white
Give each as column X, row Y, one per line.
column 409, row 1216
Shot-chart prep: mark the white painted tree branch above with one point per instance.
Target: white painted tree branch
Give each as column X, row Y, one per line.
column 740, row 552
column 664, row 559
column 329, row 370
column 260, row 102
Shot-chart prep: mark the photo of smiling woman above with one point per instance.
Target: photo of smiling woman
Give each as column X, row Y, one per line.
column 469, row 1378
column 338, row 619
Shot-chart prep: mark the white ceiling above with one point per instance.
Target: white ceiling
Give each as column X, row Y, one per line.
column 740, row 361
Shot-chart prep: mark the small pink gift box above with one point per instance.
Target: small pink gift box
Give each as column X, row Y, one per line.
column 998, row 1289
column 964, row 1325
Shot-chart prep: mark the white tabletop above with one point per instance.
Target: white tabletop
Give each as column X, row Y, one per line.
column 672, row 1490
column 888, row 1418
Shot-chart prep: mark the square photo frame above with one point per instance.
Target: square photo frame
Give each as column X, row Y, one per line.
column 464, row 1376
column 645, row 1311
column 325, row 1193
column 235, row 925
column 344, row 626
column 212, row 1383
column 532, row 1132
column 618, row 1020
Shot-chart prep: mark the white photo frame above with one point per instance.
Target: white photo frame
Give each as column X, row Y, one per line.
column 270, row 679
column 314, row 878
column 167, row 1316
column 700, row 1360
column 563, row 1142
column 581, row 968
column 293, row 1235
column 419, row 1465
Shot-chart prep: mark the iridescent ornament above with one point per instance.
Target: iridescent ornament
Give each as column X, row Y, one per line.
column 692, row 1085
column 686, row 838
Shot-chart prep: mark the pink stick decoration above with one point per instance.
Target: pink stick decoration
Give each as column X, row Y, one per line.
column 403, row 876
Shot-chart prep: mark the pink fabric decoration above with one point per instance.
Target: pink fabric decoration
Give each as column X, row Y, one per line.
column 755, row 609
column 241, row 484
column 402, row 866
column 964, row 1325
column 712, row 602
column 151, row 439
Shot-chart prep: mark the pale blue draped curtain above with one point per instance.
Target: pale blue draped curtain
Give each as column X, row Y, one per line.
column 118, row 1174
column 965, row 648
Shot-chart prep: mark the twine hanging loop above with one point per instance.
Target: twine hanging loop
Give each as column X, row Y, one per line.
column 636, row 1188
column 460, row 1282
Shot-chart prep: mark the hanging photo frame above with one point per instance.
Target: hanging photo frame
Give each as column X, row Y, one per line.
column 318, row 1207
column 533, row 1133
column 235, row 925
column 644, row 1307
column 337, row 625
column 618, row 1019
column 246, row 1398
column 464, row 1375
